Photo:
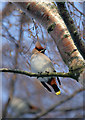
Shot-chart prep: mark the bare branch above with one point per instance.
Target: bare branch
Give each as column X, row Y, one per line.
column 69, row 109
column 8, row 9
column 56, row 74
column 13, row 80
column 76, row 8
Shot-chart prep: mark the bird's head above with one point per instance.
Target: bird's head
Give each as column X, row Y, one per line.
column 38, row 48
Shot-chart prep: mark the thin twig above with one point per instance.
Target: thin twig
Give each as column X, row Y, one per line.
column 10, row 37
column 69, row 109
column 13, row 80
column 76, row 8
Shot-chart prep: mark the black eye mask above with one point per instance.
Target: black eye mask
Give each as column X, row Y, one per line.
column 41, row 50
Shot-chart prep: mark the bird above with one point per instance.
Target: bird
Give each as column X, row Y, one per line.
column 40, row 63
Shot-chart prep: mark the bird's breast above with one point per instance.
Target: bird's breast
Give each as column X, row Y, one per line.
column 41, row 63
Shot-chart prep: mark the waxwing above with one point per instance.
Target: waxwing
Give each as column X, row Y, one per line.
column 40, row 63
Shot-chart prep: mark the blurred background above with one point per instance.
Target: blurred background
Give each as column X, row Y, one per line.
column 23, row 96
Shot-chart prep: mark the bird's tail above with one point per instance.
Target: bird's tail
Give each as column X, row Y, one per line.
column 52, row 82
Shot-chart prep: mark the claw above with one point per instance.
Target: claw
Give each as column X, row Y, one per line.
column 46, row 72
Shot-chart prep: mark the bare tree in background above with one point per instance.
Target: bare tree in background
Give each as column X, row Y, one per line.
column 22, row 25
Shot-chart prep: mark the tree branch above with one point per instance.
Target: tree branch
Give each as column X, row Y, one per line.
column 56, row 74
column 13, row 80
column 77, row 9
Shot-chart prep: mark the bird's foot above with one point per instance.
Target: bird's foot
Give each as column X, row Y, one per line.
column 46, row 71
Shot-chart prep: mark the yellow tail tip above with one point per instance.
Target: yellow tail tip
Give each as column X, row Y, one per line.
column 58, row 93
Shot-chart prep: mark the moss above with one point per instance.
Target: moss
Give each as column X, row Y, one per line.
column 51, row 27
column 66, row 35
